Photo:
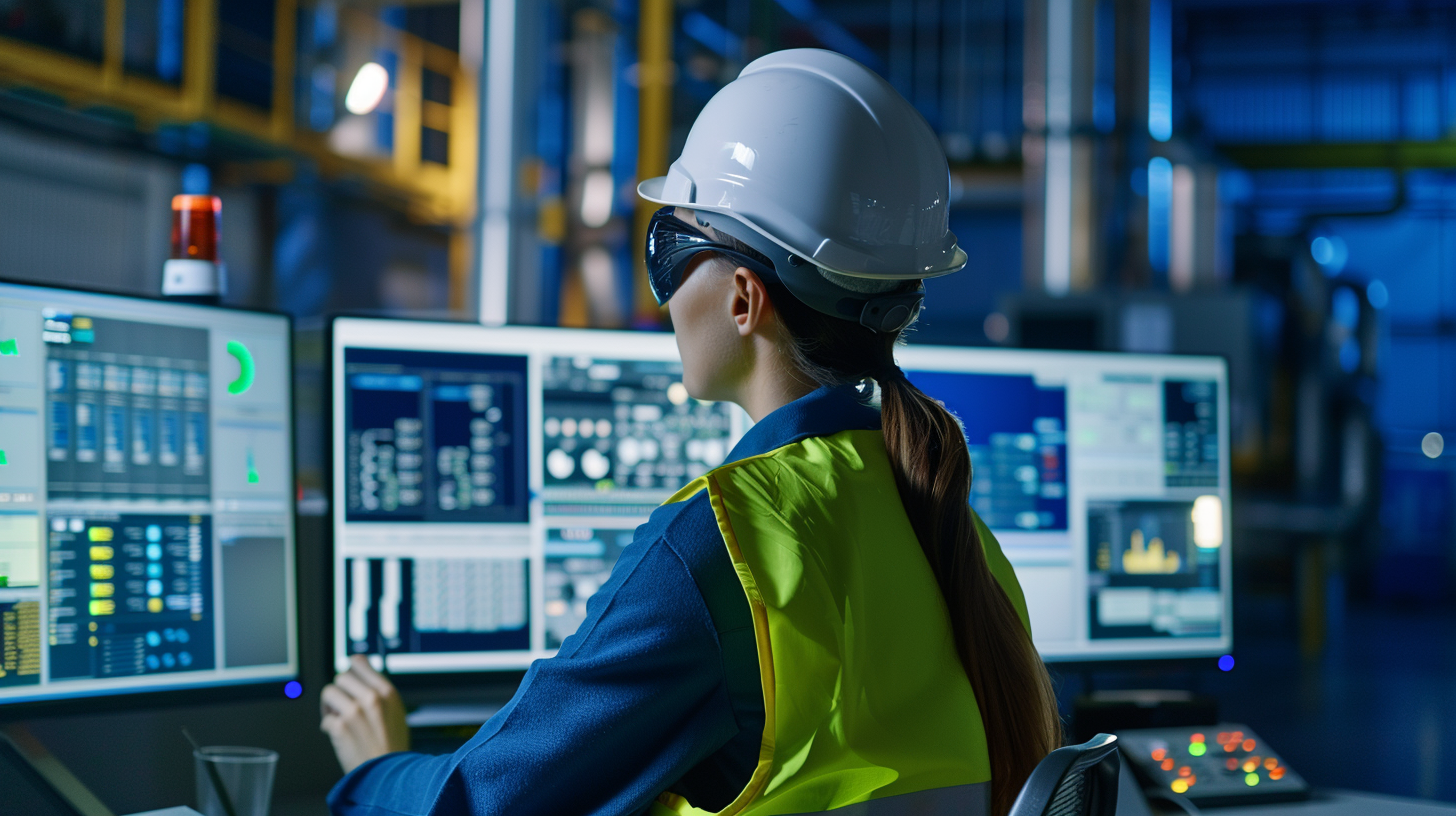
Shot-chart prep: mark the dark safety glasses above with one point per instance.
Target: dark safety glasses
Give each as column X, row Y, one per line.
column 672, row 243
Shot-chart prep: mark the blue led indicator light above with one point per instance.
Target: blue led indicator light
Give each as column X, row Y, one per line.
column 293, row 690
column 1226, row 663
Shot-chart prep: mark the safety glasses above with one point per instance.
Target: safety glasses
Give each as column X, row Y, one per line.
column 673, row 243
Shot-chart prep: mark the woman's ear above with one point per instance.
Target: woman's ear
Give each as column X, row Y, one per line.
column 751, row 306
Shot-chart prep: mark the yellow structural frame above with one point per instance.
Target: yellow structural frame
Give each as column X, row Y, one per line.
column 431, row 193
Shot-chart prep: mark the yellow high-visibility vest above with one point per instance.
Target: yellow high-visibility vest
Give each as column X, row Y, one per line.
column 867, row 708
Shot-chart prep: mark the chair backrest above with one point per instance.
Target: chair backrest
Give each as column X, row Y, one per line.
column 1079, row 780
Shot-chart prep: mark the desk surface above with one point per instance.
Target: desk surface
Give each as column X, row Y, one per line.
column 1322, row 803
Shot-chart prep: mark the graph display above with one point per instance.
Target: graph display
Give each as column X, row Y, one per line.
column 146, row 496
column 127, row 408
column 1104, row 477
column 1149, row 577
column 489, row 478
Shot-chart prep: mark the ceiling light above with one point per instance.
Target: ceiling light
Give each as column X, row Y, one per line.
column 367, row 89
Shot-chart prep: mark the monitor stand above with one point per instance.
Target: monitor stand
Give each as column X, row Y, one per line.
column 34, row 777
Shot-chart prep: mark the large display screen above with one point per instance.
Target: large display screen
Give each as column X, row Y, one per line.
column 487, row 478
column 1105, row 477
column 146, row 489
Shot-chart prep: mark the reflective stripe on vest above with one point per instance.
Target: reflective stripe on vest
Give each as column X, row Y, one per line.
column 865, row 699
column 962, row 800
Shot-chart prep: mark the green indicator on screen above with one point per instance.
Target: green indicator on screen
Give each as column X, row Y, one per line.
column 245, row 367
column 10, row 348
column 252, row 469
column 2, row 458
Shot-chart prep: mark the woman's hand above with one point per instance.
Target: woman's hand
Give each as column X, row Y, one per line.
column 363, row 715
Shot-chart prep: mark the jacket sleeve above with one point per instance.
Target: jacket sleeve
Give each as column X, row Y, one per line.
column 632, row 701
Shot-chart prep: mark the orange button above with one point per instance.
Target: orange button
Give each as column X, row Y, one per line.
column 1168, row 764
column 1248, row 745
column 1276, row 773
column 1232, row 763
column 1223, row 736
column 1271, row 763
column 1159, row 754
column 1196, row 738
column 1185, row 771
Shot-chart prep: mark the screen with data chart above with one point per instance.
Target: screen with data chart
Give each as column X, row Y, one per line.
column 146, row 496
column 1105, row 478
column 486, row 480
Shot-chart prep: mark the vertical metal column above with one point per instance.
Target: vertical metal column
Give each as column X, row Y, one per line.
column 654, row 111
column 498, row 154
column 1064, row 156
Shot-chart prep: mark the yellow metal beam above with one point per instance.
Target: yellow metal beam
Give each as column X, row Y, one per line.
column 408, row 97
column 464, row 143
column 199, row 58
column 460, row 256
column 654, row 123
column 436, row 116
column 1435, row 154
column 113, row 46
column 285, row 34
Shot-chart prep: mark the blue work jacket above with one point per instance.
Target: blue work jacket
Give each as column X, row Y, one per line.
column 658, row 690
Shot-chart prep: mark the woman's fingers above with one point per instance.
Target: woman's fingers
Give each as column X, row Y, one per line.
column 370, row 703
column 337, row 702
column 359, row 667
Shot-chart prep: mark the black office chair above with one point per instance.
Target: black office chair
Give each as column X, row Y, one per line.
column 1078, row 780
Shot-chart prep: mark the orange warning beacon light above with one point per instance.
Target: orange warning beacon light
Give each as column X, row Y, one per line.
column 194, row 270
column 195, row 227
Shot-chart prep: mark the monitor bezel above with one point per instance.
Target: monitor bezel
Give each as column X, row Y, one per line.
column 1191, row 659
column 239, row 691
column 489, row 680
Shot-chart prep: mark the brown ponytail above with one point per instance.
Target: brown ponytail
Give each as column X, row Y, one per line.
column 933, row 471
column 932, row 465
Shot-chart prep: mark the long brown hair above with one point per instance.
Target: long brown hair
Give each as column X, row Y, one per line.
column 932, row 466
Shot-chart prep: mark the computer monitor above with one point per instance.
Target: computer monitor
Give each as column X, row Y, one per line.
column 485, row 480
column 1105, row 477
column 146, row 499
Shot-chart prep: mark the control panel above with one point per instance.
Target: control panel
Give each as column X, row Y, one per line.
column 1219, row 765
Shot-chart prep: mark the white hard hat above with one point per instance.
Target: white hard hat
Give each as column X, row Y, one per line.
column 821, row 156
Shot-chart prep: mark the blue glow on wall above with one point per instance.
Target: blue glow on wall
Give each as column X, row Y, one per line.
column 1160, row 203
column 1160, row 70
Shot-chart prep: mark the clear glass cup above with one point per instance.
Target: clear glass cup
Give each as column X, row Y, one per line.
column 245, row 773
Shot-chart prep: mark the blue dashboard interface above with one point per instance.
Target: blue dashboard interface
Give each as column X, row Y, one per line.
column 1016, row 432
column 1105, row 479
column 146, row 496
column 435, row 436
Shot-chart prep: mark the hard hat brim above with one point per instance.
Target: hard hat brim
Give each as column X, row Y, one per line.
column 653, row 190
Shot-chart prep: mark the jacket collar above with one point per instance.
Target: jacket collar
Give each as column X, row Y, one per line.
column 823, row 412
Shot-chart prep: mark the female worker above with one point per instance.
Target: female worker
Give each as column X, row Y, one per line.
column 822, row 623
